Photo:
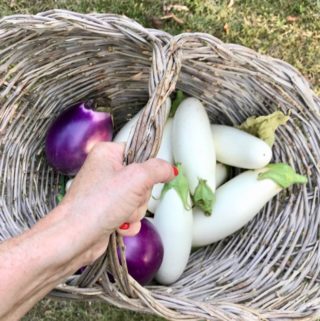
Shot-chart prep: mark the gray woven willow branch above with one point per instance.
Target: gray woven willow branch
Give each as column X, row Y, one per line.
column 269, row 270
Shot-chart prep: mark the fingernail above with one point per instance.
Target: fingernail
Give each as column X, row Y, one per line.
column 124, row 226
column 175, row 171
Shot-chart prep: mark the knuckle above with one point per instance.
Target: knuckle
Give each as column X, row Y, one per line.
column 140, row 175
column 155, row 162
column 135, row 216
column 107, row 149
column 99, row 149
column 138, row 170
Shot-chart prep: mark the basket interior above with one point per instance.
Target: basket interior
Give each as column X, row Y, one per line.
column 272, row 263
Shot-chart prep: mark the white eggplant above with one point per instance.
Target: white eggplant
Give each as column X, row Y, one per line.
column 125, row 132
column 150, row 219
column 221, row 174
column 193, row 147
column 237, row 148
column 239, row 200
column 173, row 221
column 154, row 199
column 69, row 183
column 165, row 153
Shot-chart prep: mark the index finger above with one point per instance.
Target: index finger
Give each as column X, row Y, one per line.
column 109, row 151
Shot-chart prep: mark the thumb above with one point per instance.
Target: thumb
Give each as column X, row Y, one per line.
column 152, row 172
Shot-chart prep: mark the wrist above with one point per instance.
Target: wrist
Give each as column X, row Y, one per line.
column 43, row 257
column 65, row 242
column 81, row 233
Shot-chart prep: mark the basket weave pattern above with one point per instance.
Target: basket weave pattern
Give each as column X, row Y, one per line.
column 271, row 268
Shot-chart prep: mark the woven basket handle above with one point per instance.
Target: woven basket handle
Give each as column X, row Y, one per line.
column 142, row 145
column 165, row 69
column 145, row 141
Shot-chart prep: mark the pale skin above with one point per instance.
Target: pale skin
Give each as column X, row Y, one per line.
column 103, row 196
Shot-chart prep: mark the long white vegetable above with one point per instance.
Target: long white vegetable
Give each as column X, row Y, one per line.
column 239, row 200
column 237, row 148
column 165, row 153
column 69, row 183
column 193, row 147
column 125, row 132
column 173, row 220
column 221, row 174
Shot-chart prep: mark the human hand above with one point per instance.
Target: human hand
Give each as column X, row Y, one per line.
column 105, row 194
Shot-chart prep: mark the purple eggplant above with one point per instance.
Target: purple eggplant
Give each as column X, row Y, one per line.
column 144, row 253
column 72, row 135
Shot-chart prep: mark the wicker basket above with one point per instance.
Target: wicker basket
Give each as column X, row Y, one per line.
column 270, row 270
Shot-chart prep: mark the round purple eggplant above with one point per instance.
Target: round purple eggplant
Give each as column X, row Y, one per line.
column 73, row 134
column 144, row 253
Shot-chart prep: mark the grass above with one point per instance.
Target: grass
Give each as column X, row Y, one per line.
column 286, row 29
column 52, row 310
